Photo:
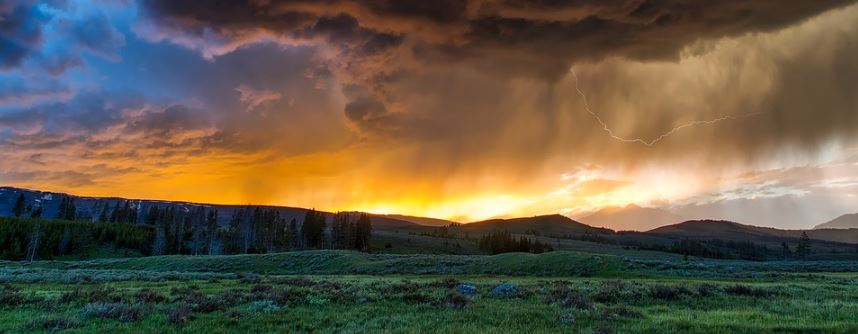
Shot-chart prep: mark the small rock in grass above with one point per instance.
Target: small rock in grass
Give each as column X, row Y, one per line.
column 566, row 319
column 505, row 290
column 466, row 289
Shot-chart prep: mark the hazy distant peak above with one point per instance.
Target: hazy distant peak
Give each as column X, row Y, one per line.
column 842, row 222
column 631, row 217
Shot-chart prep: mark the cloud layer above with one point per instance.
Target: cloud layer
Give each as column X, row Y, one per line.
column 426, row 107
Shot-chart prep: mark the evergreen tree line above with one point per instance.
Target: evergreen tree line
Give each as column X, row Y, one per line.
column 195, row 231
column 252, row 230
column 350, row 233
column 503, row 241
column 37, row 239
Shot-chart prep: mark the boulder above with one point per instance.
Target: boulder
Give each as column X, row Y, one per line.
column 505, row 290
column 466, row 289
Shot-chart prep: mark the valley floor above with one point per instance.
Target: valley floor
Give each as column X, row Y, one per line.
column 176, row 295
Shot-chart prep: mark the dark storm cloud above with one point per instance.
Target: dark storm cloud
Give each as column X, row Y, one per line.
column 20, row 32
column 170, row 122
column 508, row 38
column 95, row 120
column 560, row 31
column 49, row 36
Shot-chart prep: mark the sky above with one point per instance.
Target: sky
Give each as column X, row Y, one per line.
column 457, row 109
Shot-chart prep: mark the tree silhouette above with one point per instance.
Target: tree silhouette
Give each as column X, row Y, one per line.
column 803, row 248
column 19, row 207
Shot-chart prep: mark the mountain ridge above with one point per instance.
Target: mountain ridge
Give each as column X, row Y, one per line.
column 846, row 221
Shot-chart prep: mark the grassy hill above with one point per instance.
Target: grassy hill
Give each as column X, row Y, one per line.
column 549, row 225
column 330, row 262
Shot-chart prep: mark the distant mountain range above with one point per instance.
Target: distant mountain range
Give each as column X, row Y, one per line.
column 632, row 218
column 727, row 230
column 667, row 231
column 844, row 221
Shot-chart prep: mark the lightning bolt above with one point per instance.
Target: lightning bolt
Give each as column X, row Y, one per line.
column 651, row 142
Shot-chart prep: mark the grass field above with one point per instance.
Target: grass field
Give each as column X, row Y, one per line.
column 348, row 292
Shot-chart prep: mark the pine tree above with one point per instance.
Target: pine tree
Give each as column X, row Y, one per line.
column 159, row 245
column 19, row 207
column 102, row 217
column 37, row 212
column 115, row 215
column 71, row 211
column 61, row 211
column 152, row 215
column 65, row 241
column 211, row 230
column 785, row 249
column 363, row 232
column 803, row 248
column 293, row 234
column 313, row 229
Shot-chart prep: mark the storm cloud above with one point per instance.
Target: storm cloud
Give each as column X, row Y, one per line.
column 383, row 45
column 444, row 108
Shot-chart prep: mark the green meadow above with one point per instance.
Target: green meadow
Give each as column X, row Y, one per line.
column 352, row 292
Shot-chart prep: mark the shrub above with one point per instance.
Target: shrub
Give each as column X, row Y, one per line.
column 400, row 288
column 416, row 298
column 288, row 296
column 249, row 279
column 620, row 312
column 565, row 297
column 668, row 292
column 230, row 298
column 706, row 290
column 603, row 329
column 115, row 311
column 234, row 314
column 207, row 304
column 72, row 296
column 296, row 281
column 261, row 288
column 44, row 304
column 183, row 291
column 263, row 306
column 149, row 297
column 180, row 314
column 316, row 300
column 53, row 324
column 10, row 296
column 448, row 283
column 456, row 300
column 577, row 300
column 744, row 290
column 608, row 292
column 103, row 294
